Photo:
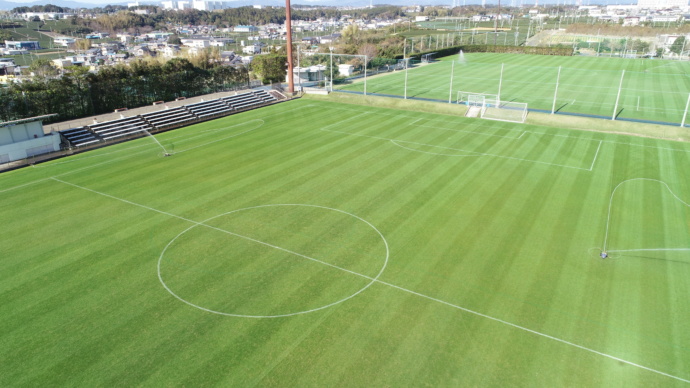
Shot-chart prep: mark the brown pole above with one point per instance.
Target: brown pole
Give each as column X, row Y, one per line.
column 288, row 30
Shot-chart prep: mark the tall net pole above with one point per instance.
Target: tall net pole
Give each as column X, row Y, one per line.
column 405, row 78
column 365, row 74
column 618, row 97
column 685, row 113
column 555, row 93
column 500, row 84
column 288, row 31
column 450, row 92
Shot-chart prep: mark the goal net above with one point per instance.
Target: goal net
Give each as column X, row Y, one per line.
column 506, row 111
column 469, row 98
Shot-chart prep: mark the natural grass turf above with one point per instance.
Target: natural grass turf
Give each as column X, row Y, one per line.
column 652, row 89
column 502, row 231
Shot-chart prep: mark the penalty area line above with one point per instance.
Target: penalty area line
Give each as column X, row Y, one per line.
column 375, row 279
column 595, row 156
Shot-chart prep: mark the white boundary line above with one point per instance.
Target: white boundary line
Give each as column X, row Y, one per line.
column 477, row 125
column 608, row 217
column 470, row 132
column 425, row 152
column 522, row 328
column 182, row 138
column 650, row 250
column 595, row 156
column 454, row 149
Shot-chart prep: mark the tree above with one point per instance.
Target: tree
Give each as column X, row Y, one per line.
column 82, row 44
column 350, row 34
column 42, row 68
column 270, row 68
column 174, row 39
column 370, row 50
column 678, row 45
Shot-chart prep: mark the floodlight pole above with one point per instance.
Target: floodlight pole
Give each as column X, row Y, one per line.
column 555, row 94
column 450, row 92
column 620, row 86
column 682, row 124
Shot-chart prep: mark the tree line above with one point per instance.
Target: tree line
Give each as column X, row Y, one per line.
column 79, row 93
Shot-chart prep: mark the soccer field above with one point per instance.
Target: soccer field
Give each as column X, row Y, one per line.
column 656, row 90
column 313, row 243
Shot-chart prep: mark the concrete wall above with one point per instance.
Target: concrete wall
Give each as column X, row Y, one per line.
column 20, row 132
column 30, row 147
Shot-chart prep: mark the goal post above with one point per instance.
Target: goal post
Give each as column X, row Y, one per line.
column 465, row 97
column 511, row 111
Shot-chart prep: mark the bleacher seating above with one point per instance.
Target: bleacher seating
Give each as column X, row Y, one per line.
column 264, row 96
column 80, row 136
column 208, row 108
column 122, row 127
column 249, row 99
column 168, row 117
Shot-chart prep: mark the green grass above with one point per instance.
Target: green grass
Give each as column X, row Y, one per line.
column 501, row 219
column 652, row 89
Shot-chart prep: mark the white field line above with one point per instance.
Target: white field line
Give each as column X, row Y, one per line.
column 456, row 149
column 528, row 132
column 222, row 138
column 608, row 217
column 341, row 121
column 650, row 250
column 430, row 153
column 24, row 185
column 522, row 328
column 212, row 227
column 470, row 132
column 167, row 140
column 204, row 223
column 183, row 138
column 595, row 157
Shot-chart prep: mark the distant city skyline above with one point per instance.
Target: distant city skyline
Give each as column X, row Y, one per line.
column 353, row 3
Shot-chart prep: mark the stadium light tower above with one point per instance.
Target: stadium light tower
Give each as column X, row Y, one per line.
column 288, row 31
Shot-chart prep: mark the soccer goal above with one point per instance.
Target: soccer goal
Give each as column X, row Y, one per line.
column 472, row 98
column 515, row 112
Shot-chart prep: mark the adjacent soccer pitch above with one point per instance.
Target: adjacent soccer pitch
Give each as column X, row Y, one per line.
column 654, row 90
column 319, row 244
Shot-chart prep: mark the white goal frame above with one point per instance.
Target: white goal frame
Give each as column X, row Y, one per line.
column 511, row 111
column 465, row 97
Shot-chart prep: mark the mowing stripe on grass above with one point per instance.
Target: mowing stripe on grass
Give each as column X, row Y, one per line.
column 375, row 279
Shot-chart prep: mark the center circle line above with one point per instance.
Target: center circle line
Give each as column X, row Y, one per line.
column 203, row 223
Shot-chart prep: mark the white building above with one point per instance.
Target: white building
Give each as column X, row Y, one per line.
column 250, row 29
column 24, row 138
column 662, row 4
column 201, row 5
column 171, row 51
column 64, row 41
column 251, row 49
column 196, row 42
